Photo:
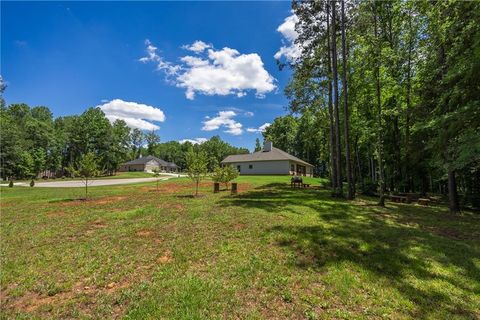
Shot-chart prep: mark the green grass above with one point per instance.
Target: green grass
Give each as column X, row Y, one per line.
column 270, row 252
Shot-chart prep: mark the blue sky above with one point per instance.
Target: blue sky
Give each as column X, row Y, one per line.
column 193, row 69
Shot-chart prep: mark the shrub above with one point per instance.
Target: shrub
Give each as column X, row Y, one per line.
column 10, row 184
column 224, row 175
column 32, row 183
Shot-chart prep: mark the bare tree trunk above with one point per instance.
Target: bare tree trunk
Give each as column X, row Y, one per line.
column 346, row 125
column 407, row 111
column 381, row 177
column 359, row 176
column 86, row 188
column 333, row 161
column 452, row 192
column 335, row 89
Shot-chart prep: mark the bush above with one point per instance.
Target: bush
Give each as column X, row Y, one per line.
column 10, row 184
column 224, row 175
column 32, row 183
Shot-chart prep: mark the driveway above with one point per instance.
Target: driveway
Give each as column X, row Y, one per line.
column 92, row 183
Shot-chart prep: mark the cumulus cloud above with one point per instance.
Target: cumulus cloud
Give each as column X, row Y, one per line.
column 197, row 47
column 194, row 141
column 262, row 128
column 289, row 50
column 215, row 72
column 162, row 65
column 223, row 119
column 134, row 114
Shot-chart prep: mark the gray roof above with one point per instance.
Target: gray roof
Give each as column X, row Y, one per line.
column 274, row 155
column 144, row 160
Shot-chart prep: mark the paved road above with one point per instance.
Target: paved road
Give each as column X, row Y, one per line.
column 94, row 183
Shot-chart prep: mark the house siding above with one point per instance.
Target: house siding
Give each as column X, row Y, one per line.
column 280, row 167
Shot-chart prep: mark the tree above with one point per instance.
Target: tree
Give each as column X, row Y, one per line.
column 197, row 167
column 152, row 140
column 346, row 121
column 87, row 168
column 137, row 138
column 156, row 174
column 338, row 150
column 224, row 174
column 258, row 146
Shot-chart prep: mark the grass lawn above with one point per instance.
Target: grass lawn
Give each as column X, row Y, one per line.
column 270, row 252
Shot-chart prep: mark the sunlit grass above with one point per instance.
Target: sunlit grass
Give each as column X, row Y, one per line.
column 269, row 252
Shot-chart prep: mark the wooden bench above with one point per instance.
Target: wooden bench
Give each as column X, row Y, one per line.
column 399, row 199
column 306, row 185
column 296, row 182
column 423, row 201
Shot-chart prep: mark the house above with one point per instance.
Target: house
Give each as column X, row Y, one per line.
column 269, row 161
column 148, row 164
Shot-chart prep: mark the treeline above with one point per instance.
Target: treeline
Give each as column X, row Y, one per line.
column 34, row 143
column 395, row 89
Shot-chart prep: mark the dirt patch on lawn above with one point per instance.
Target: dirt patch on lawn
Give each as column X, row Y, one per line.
column 144, row 233
column 166, row 257
column 31, row 301
column 91, row 202
column 99, row 224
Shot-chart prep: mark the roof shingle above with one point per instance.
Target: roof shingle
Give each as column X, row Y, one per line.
column 274, row 155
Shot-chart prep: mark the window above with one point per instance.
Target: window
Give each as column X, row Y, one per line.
column 239, row 168
column 250, row 166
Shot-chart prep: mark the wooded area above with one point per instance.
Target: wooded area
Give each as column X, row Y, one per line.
column 33, row 143
column 407, row 74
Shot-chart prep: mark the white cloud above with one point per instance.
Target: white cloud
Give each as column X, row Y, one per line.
column 249, row 114
column 223, row 119
column 290, row 50
column 259, row 129
column 152, row 56
column 215, row 72
column 134, row 114
column 197, row 47
column 194, row 141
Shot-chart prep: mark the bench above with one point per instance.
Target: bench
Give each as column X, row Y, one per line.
column 296, row 182
column 306, row 185
column 423, row 201
column 399, row 199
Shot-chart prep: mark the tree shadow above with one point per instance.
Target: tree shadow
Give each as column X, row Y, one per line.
column 396, row 244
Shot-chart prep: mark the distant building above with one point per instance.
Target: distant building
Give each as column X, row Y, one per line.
column 269, row 161
column 148, row 164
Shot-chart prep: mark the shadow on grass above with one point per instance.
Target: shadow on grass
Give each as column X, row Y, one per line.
column 401, row 245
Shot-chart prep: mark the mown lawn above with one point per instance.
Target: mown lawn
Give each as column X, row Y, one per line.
column 270, row 252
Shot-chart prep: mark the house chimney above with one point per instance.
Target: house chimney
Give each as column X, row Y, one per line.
column 267, row 146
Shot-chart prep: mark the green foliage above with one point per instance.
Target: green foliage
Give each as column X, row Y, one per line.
column 87, row 168
column 224, row 174
column 32, row 183
column 10, row 184
column 413, row 71
column 197, row 166
column 258, row 146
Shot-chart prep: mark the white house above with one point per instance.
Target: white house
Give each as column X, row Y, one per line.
column 269, row 161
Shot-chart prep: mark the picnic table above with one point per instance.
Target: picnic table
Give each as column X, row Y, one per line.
column 296, row 182
column 399, row 199
column 423, row 201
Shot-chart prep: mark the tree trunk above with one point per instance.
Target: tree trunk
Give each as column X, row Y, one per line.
column 336, row 107
column 346, row 124
column 452, row 192
column 357, row 155
column 196, row 188
column 381, row 177
column 86, row 188
column 333, row 161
